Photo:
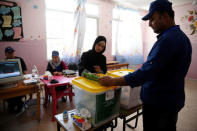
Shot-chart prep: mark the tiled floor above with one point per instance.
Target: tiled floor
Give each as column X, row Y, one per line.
column 28, row 121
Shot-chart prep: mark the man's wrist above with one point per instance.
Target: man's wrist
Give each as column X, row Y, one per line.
column 113, row 82
column 120, row 81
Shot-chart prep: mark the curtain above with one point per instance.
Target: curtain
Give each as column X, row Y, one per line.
column 72, row 51
column 127, row 36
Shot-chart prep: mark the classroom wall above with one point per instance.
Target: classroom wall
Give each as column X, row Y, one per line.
column 32, row 48
column 180, row 11
column 184, row 24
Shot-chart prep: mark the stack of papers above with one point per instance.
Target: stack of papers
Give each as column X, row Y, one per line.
column 30, row 81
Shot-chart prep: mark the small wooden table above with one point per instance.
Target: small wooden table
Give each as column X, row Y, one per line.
column 68, row 125
column 21, row 90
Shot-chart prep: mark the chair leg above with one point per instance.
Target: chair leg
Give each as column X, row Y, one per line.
column 47, row 96
column 70, row 91
column 70, row 98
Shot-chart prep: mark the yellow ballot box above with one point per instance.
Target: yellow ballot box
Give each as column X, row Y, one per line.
column 130, row 97
column 103, row 103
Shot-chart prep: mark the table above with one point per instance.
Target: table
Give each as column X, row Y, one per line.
column 21, row 90
column 117, row 66
column 113, row 62
column 70, row 126
column 124, row 113
column 50, row 88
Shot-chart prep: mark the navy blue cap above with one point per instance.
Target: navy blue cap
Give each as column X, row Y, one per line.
column 55, row 53
column 158, row 5
column 9, row 49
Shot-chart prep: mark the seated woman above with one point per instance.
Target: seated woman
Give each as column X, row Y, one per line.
column 93, row 60
column 56, row 66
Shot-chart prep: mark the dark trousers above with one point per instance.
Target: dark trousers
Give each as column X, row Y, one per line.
column 158, row 120
column 15, row 102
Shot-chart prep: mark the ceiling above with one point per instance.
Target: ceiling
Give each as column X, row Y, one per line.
column 144, row 4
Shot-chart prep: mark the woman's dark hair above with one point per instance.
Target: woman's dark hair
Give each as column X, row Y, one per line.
column 98, row 39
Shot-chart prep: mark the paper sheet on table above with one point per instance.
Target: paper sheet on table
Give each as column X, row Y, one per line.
column 27, row 76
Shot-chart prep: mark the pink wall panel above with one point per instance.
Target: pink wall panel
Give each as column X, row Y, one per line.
column 33, row 52
column 32, row 48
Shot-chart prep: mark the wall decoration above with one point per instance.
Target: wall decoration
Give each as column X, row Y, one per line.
column 191, row 19
column 16, row 11
column 8, row 32
column 7, row 21
column 35, row 6
column 1, row 35
column 6, row 3
column 10, row 21
column 28, row 0
column 17, row 34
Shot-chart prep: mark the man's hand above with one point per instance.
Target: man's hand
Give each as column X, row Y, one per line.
column 109, row 81
column 106, row 81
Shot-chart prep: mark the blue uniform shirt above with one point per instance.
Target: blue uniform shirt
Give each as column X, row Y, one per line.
column 162, row 75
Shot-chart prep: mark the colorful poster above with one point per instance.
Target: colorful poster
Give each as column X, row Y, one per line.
column 1, row 35
column 8, row 33
column 7, row 19
column 4, row 10
column 16, row 11
column 17, row 32
column 6, row 3
column 16, row 23
column 10, row 21
column 1, row 22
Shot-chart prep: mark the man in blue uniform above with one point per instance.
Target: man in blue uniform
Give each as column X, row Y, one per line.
column 162, row 75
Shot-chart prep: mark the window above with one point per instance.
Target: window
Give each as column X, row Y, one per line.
column 59, row 25
column 126, row 32
column 91, row 31
column 59, row 19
